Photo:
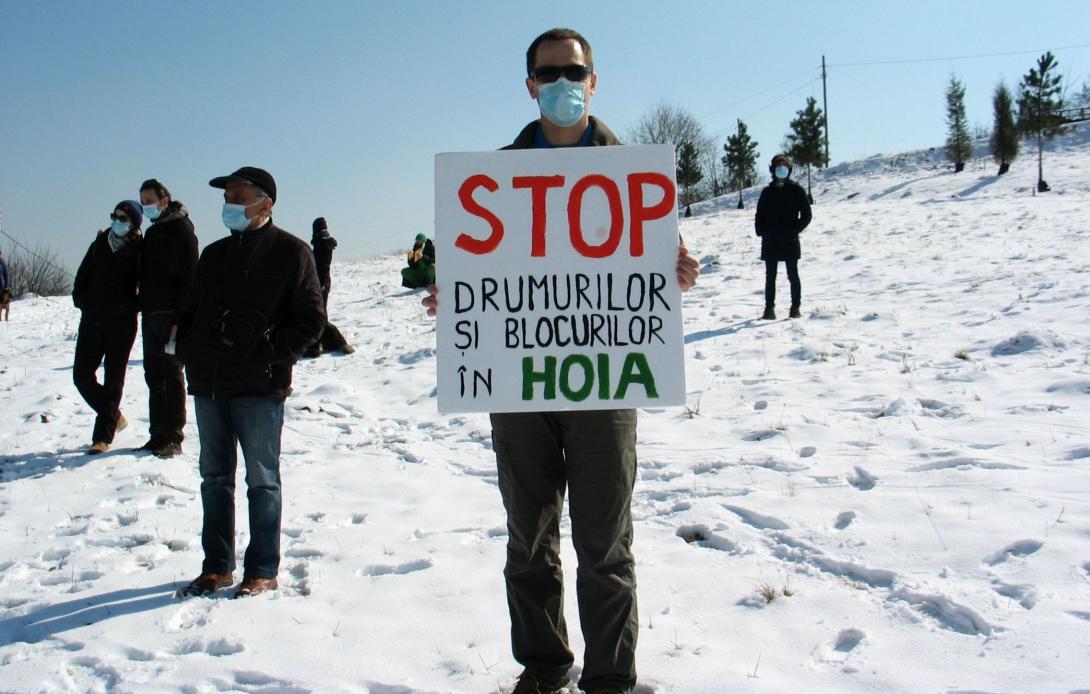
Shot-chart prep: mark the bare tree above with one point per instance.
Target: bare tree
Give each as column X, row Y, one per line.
column 38, row 271
column 666, row 123
column 714, row 173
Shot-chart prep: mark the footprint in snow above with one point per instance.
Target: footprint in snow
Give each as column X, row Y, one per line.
column 862, row 480
column 215, row 647
column 303, row 553
column 757, row 520
column 807, row 451
column 1023, row 593
column 844, row 519
column 192, row 614
column 398, row 569
column 1022, row 548
column 848, row 639
column 299, row 578
column 250, row 681
column 87, row 674
column 701, row 536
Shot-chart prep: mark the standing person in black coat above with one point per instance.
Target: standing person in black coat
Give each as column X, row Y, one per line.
column 5, row 289
column 105, row 292
column 323, row 245
column 782, row 213
column 254, row 306
column 170, row 254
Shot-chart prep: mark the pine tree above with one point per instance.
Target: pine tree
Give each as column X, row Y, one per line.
column 1039, row 108
column 804, row 142
column 958, row 147
column 689, row 172
column 1004, row 142
column 741, row 160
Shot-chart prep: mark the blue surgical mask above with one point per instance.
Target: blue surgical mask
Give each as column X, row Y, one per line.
column 782, row 172
column 234, row 216
column 562, row 102
column 151, row 211
column 119, row 228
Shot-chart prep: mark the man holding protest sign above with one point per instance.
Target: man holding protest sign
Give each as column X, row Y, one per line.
column 610, row 297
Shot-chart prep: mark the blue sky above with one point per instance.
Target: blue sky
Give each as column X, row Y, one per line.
column 346, row 103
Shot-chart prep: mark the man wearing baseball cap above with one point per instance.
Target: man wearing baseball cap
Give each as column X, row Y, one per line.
column 255, row 305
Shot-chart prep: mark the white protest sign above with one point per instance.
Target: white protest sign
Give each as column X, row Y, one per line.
column 557, row 280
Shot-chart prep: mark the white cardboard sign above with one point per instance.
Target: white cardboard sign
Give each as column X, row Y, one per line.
column 557, row 280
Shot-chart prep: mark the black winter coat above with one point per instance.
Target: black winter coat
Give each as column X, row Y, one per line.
column 323, row 258
column 107, row 281
column 782, row 213
column 170, row 255
column 267, row 278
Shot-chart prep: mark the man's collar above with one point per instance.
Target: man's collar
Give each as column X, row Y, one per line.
column 541, row 143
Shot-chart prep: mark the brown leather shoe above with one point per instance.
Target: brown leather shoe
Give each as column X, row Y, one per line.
column 98, row 447
column 206, row 584
column 255, row 586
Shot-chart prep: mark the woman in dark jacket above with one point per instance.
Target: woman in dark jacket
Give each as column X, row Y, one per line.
column 782, row 213
column 105, row 291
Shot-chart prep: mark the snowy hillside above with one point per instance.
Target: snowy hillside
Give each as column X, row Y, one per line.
column 906, row 469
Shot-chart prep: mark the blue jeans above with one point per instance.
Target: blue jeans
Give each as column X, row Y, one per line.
column 223, row 424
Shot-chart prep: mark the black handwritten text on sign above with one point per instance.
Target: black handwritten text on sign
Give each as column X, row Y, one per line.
column 556, row 280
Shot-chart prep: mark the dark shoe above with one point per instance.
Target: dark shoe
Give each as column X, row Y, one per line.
column 206, row 584
column 314, row 351
column 528, row 684
column 254, row 586
column 795, row 313
column 167, row 450
column 98, row 447
column 610, row 690
column 769, row 314
column 348, row 349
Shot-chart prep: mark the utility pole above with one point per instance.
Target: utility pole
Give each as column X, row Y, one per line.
column 825, row 106
column 740, row 175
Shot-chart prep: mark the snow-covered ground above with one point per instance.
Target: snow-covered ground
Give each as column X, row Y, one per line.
column 906, row 468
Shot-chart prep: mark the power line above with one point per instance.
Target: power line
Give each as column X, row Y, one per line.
column 955, row 57
column 389, row 236
column 790, row 93
column 769, row 105
column 763, row 91
column 44, row 260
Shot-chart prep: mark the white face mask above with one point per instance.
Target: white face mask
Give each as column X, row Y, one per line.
column 151, row 211
column 120, row 228
column 782, row 172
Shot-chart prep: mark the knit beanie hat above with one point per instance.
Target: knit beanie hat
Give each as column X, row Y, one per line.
column 421, row 237
column 133, row 211
column 319, row 225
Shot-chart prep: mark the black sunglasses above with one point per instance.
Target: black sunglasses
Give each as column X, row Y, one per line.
column 119, row 218
column 551, row 73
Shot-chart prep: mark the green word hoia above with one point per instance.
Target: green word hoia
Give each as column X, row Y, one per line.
column 578, row 374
